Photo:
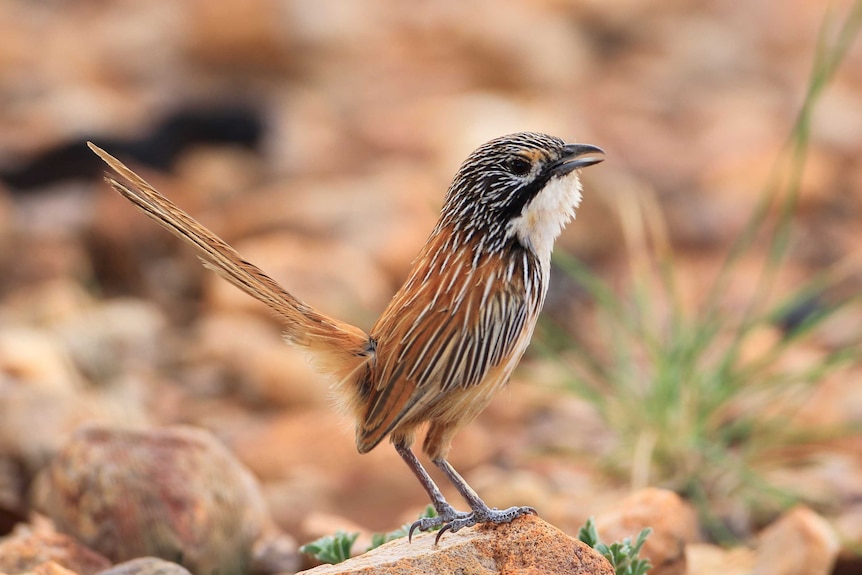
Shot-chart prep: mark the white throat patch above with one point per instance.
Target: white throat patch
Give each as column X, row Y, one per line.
column 545, row 215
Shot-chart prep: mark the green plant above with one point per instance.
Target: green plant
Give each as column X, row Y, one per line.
column 378, row 539
column 331, row 548
column 338, row 547
column 623, row 555
column 693, row 407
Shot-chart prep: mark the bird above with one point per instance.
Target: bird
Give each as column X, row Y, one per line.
column 454, row 332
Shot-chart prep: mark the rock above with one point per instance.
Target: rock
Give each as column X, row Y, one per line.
column 705, row 559
column 578, row 492
column 317, row 468
column 835, row 401
column 45, row 372
column 848, row 525
column 146, row 566
column 50, row 257
column 36, row 422
column 52, row 568
column 13, row 504
column 237, row 34
column 105, row 340
column 50, row 302
column 527, row 546
column 26, row 549
column 672, row 520
column 7, row 218
column 274, row 552
column 174, row 493
column 35, row 359
column 506, row 487
column 800, row 541
column 250, row 348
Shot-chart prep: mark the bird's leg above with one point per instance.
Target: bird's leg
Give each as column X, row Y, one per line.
column 481, row 512
column 446, row 514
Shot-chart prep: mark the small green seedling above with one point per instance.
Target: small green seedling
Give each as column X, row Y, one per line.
column 337, row 548
column 378, row 539
column 623, row 556
column 331, row 548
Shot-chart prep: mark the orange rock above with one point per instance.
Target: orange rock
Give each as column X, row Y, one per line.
column 672, row 520
column 13, row 503
column 52, row 568
column 527, row 546
column 801, row 541
column 26, row 549
column 174, row 493
column 705, row 559
column 316, row 468
column 250, row 348
column 146, row 566
column 237, row 34
column 35, row 422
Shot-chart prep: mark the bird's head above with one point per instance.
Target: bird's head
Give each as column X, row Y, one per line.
column 523, row 186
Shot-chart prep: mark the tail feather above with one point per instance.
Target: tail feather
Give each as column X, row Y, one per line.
column 336, row 347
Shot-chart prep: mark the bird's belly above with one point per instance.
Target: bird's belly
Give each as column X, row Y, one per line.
column 461, row 405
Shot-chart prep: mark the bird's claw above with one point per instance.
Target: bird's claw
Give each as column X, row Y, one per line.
column 441, row 520
column 424, row 524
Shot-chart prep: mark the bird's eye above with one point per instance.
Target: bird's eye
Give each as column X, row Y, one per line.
column 518, row 166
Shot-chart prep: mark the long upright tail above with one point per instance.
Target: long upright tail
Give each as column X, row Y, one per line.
column 337, row 348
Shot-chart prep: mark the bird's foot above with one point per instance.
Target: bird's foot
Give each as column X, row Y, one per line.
column 480, row 516
column 444, row 517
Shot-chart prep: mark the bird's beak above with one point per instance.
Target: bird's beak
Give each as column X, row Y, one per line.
column 573, row 158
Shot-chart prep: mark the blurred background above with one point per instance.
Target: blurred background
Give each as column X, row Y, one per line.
column 319, row 137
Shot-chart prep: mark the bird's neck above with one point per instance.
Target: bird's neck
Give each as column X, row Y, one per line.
column 543, row 218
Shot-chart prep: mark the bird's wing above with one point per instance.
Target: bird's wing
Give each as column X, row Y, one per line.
column 449, row 326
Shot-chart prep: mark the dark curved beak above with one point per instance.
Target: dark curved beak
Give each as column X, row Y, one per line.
column 575, row 157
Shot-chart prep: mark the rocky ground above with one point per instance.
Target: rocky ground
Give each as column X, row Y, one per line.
column 318, row 137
